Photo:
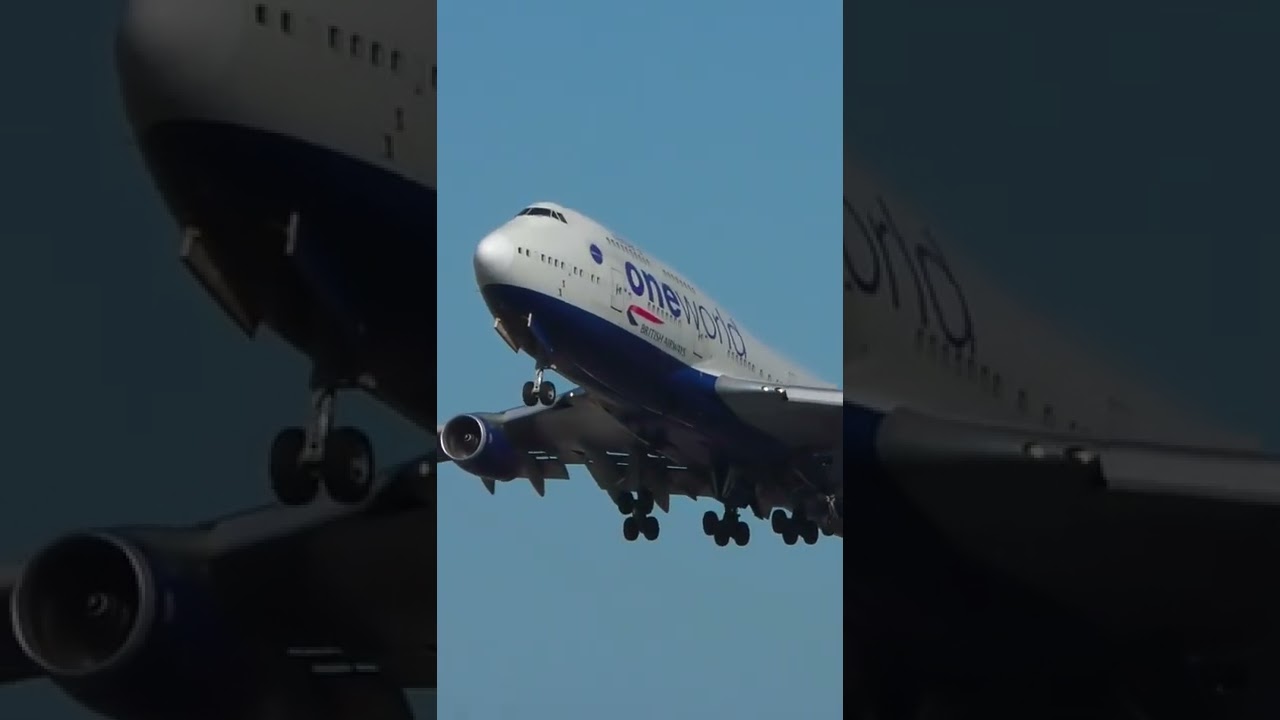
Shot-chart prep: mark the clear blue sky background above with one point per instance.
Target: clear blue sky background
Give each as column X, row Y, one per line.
column 708, row 134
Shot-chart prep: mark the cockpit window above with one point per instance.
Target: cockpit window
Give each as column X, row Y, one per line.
column 543, row 212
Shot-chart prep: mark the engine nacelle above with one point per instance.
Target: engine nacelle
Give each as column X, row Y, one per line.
column 127, row 632
column 480, row 448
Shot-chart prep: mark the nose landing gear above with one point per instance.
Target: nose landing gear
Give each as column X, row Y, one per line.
column 539, row 390
column 301, row 460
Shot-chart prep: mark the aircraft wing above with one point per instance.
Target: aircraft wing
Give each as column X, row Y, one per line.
column 914, row 442
column 803, row 417
column 1148, row 535
column 343, row 593
column 360, row 579
column 579, row 430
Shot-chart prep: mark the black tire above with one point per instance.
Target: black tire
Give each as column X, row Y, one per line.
column 722, row 538
column 644, row 502
column 649, row 528
column 547, row 393
column 630, row 529
column 710, row 523
column 779, row 520
column 810, row 533
column 290, row 482
column 530, row 398
column 626, row 503
column 348, row 465
column 741, row 533
column 789, row 537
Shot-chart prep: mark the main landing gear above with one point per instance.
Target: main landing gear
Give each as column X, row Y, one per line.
column 302, row 459
column 795, row 527
column 725, row 528
column 725, row 487
column 539, row 391
column 640, row 521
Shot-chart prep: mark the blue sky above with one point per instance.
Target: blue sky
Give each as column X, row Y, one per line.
column 708, row 134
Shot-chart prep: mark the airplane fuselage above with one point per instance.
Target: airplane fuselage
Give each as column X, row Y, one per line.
column 923, row 328
column 296, row 143
column 613, row 319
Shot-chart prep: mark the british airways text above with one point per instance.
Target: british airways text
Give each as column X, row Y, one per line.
column 709, row 322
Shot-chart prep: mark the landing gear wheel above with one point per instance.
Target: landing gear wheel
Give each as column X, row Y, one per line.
column 741, row 533
column 649, row 527
column 779, row 521
column 630, row 529
column 789, row 536
column 348, row 465
column 292, row 483
column 644, row 502
column 809, row 532
column 721, row 537
column 547, row 393
column 626, row 503
column 710, row 523
column 528, row 395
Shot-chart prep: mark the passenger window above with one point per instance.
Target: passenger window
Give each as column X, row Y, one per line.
column 260, row 13
column 335, row 37
column 395, row 61
column 357, row 46
column 286, row 22
column 1048, row 415
column 1022, row 401
column 375, row 54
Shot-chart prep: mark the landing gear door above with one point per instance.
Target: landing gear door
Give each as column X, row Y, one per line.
column 618, row 300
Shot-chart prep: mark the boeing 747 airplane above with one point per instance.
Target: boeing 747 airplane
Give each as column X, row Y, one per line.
column 294, row 143
column 1032, row 533
column 676, row 396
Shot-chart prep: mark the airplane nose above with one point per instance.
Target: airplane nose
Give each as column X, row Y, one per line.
column 169, row 53
column 494, row 256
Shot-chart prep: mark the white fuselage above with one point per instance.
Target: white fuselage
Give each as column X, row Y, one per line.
column 356, row 78
column 580, row 263
column 923, row 329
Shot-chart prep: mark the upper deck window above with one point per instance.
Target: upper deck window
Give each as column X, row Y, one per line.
column 543, row 212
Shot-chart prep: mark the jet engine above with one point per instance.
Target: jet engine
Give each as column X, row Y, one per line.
column 127, row 632
column 479, row 447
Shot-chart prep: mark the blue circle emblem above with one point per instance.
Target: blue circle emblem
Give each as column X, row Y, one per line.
column 596, row 254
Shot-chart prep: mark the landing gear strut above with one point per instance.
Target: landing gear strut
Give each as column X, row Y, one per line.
column 793, row 528
column 302, row 459
column 638, row 508
column 539, row 390
column 726, row 528
column 724, row 484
